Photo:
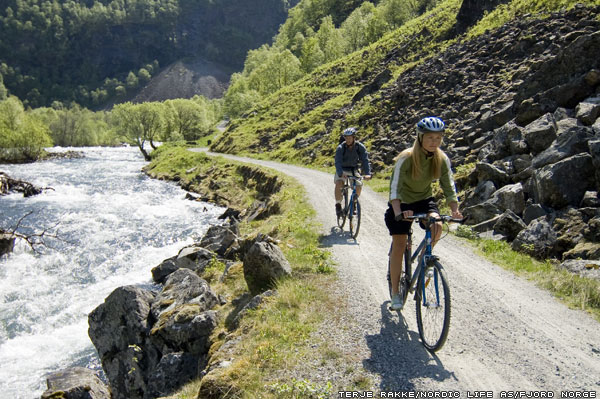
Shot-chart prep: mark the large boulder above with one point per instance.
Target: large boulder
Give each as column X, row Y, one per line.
column 510, row 197
column 194, row 258
column 572, row 139
column 565, row 182
column 509, row 225
column 171, row 373
column 533, row 211
column 538, row 239
column 482, row 192
column 507, row 140
column 540, row 133
column 594, row 146
column 183, row 287
column 118, row 329
column 588, row 110
column 264, row 263
column 221, row 240
column 486, row 171
column 75, row 383
column 481, row 212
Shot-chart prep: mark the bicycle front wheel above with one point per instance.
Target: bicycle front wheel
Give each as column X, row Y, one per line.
column 433, row 307
column 355, row 219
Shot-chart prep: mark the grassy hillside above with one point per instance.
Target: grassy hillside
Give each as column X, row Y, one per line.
column 301, row 123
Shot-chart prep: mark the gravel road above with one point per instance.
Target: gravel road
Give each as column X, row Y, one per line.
column 506, row 335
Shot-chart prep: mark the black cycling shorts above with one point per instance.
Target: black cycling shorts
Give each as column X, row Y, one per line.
column 403, row 226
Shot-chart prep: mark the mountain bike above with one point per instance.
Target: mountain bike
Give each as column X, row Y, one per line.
column 428, row 283
column 351, row 206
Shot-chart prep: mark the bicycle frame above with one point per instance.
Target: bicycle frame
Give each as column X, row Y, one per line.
column 426, row 260
column 350, row 184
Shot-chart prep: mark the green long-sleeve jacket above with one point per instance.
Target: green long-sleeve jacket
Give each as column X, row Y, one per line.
column 406, row 189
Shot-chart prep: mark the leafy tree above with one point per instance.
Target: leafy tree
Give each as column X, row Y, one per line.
column 362, row 27
column 131, row 81
column 186, row 118
column 331, row 40
column 239, row 97
column 144, row 76
column 312, row 56
column 397, row 12
column 3, row 91
column 140, row 123
column 22, row 136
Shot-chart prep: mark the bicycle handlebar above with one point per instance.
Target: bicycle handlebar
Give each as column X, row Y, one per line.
column 442, row 218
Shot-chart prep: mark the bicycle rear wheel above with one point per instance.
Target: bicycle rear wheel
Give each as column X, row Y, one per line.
column 433, row 308
column 355, row 219
column 341, row 218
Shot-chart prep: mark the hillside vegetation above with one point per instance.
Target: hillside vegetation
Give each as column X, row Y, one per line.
column 519, row 90
column 91, row 52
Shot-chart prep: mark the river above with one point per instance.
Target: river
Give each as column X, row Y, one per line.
column 115, row 224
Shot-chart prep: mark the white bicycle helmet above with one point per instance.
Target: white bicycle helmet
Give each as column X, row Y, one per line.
column 351, row 131
column 430, row 124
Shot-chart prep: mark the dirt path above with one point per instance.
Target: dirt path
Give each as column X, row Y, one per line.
column 505, row 334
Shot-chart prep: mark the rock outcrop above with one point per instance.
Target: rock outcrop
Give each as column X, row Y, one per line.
column 75, row 383
column 151, row 342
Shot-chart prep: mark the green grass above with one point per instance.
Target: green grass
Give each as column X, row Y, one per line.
column 276, row 335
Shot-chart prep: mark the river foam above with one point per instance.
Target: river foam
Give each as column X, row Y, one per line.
column 116, row 225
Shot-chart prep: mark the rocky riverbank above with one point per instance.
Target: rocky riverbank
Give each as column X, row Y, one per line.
column 151, row 341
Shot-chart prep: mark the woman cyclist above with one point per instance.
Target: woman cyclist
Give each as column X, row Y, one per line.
column 411, row 193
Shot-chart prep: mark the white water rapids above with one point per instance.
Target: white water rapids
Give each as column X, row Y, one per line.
column 117, row 224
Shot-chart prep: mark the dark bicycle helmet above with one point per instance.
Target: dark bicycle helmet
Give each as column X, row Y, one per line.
column 351, row 131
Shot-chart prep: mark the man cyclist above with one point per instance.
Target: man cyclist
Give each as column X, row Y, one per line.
column 411, row 192
column 347, row 156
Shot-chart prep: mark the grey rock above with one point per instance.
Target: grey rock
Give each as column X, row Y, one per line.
column 481, row 212
column 590, row 199
column 532, row 212
column 594, row 146
column 194, row 258
column 481, row 193
column 572, row 139
column 588, row 110
column 171, row 373
column 118, row 329
column 486, row 225
column 219, row 239
column 509, row 225
column 584, row 268
column 565, row 182
column 75, row 383
column 509, row 197
column 540, row 133
column 183, row 287
column 186, row 328
column 264, row 264
column 538, row 239
column 166, row 267
column 486, row 171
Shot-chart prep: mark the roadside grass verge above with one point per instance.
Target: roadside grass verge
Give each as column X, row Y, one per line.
column 575, row 291
column 274, row 339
